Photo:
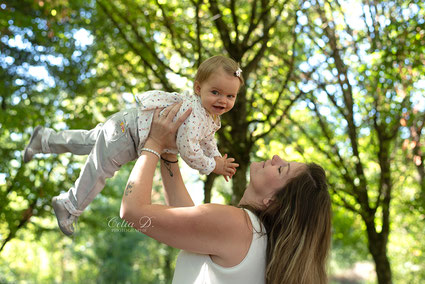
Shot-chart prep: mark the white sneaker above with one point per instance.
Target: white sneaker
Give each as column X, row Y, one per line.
column 34, row 146
column 65, row 219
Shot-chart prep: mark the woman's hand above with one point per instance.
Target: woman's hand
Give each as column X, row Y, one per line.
column 163, row 130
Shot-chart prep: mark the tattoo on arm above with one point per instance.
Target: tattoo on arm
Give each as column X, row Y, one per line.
column 168, row 167
column 129, row 188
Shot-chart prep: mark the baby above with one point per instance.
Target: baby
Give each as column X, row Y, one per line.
column 121, row 138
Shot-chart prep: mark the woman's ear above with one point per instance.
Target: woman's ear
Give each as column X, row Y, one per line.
column 267, row 201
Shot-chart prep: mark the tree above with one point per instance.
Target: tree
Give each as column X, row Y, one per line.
column 414, row 121
column 37, row 40
column 161, row 40
column 357, row 84
column 338, row 92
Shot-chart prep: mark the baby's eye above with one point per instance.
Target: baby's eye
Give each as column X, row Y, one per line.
column 231, row 96
column 214, row 92
column 279, row 169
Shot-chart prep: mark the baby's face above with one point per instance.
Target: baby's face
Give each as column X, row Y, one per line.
column 218, row 93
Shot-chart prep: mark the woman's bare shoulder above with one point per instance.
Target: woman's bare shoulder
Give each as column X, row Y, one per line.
column 236, row 229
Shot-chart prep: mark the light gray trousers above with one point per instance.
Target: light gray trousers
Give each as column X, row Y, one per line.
column 109, row 146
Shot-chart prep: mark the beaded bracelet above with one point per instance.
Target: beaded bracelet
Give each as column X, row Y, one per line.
column 151, row 151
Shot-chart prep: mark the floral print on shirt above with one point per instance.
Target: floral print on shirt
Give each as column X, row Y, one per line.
column 195, row 137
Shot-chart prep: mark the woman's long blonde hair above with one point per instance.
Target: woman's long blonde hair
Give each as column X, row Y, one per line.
column 298, row 227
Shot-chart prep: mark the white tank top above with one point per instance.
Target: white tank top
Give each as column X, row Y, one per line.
column 192, row 268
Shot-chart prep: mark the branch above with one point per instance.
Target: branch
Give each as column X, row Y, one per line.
column 235, row 21
column 273, row 125
column 333, row 100
column 348, row 100
column 316, row 143
column 325, row 131
column 267, row 28
column 132, row 47
column 141, row 39
column 169, row 27
column 252, row 26
column 26, row 215
column 394, row 130
column 198, row 32
column 258, row 56
column 222, row 29
column 264, row 39
column 348, row 28
column 286, row 81
column 345, row 204
column 371, row 38
column 262, row 18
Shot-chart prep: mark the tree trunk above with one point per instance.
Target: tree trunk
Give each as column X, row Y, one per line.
column 239, row 180
column 378, row 249
column 208, row 184
column 168, row 270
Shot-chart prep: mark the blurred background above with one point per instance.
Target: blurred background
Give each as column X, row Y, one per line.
column 340, row 83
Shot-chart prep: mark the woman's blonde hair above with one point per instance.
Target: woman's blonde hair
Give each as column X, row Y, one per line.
column 298, row 227
column 212, row 64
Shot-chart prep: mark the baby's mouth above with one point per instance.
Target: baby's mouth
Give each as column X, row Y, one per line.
column 218, row 107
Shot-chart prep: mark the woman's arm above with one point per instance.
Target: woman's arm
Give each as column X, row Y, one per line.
column 174, row 188
column 218, row 230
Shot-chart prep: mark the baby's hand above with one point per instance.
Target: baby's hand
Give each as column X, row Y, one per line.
column 225, row 166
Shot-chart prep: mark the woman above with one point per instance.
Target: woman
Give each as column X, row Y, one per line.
column 280, row 235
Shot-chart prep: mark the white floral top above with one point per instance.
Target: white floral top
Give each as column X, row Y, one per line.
column 195, row 137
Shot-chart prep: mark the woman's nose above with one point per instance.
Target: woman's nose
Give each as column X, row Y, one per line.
column 277, row 160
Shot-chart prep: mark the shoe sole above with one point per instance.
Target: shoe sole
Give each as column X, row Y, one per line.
column 57, row 210
column 26, row 155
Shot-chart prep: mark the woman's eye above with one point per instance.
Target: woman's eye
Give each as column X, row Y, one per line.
column 279, row 169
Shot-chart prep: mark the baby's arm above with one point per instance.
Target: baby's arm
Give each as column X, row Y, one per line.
column 202, row 154
column 225, row 166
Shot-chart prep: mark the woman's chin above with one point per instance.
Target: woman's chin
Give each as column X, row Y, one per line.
column 254, row 167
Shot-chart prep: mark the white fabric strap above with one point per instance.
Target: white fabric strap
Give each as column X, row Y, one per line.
column 67, row 222
column 69, row 206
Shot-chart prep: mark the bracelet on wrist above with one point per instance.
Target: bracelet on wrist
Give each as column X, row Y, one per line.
column 167, row 161
column 151, row 151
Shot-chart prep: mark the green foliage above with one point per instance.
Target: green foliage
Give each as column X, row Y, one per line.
column 97, row 54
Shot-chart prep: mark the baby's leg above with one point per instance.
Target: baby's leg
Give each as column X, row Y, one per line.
column 47, row 140
column 115, row 146
column 78, row 142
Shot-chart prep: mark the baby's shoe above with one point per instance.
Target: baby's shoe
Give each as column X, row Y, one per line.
column 34, row 146
column 65, row 219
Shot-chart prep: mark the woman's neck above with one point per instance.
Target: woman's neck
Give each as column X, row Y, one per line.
column 248, row 199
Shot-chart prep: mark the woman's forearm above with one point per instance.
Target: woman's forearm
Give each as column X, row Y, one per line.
column 174, row 189
column 137, row 194
column 139, row 186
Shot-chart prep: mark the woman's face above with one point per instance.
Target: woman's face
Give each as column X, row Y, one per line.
column 267, row 177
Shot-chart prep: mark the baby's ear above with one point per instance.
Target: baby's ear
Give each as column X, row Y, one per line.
column 197, row 88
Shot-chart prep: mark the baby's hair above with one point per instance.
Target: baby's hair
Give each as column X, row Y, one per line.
column 212, row 64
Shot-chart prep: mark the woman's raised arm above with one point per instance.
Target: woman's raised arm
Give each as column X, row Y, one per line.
column 162, row 135
column 217, row 230
column 174, row 188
